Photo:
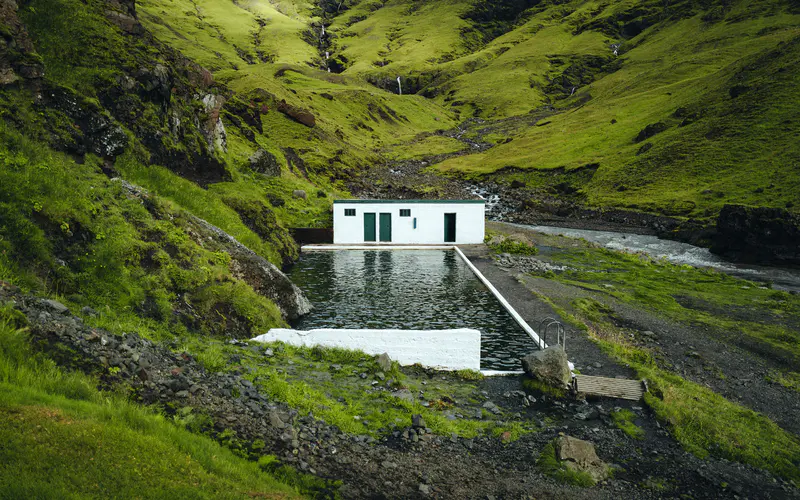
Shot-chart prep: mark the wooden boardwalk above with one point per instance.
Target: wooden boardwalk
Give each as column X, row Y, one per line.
column 609, row 387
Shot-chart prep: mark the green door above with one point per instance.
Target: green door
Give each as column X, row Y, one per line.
column 386, row 227
column 369, row 227
column 449, row 228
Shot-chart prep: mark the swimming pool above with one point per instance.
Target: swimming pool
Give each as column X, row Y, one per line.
column 407, row 289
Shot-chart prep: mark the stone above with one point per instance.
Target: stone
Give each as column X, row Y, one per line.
column 299, row 194
column 417, row 421
column 385, row 362
column 298, row 114
column 549, row 366
column 275, row 420
column 580, row 455
column 424, row 489
column 492, row 408
column 265, row 163
column 56, row 306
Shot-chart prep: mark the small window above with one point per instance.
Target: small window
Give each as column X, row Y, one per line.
column 350, row 212
column 405, row 212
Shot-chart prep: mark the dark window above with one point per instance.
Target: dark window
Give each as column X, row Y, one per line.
column 350, row 212
column 405, row 212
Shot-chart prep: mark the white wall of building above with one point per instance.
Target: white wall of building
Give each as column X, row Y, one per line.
column 470, row 222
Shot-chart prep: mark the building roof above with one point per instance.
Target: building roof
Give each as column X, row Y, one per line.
column 409, row 201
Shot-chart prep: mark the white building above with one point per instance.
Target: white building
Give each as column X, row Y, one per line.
column 421, row 222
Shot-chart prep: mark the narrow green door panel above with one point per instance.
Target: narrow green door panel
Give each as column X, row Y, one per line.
column 386, row 227
column 369, row 227
column 450, row 228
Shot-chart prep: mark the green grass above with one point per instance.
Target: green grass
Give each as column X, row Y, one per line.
column 63, row 438
column 623, row 419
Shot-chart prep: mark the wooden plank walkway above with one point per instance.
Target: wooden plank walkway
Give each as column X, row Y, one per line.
column 609, row 387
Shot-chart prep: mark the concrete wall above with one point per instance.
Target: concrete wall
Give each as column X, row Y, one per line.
column 443, row 349
column 470, row 222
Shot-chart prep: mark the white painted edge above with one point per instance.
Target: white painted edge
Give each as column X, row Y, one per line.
column 501, row 373
column 312, row 248
column 514, row 314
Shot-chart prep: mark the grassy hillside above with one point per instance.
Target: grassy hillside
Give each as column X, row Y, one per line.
column 63, row 437
column 693, row 112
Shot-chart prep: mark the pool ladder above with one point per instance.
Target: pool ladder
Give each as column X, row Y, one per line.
column 561, row 334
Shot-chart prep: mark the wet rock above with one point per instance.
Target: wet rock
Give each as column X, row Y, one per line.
column 758, row 234
column 549, row 366
column 580, row 455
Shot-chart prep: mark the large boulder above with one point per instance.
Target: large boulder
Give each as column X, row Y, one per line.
column 550, row 366
column 265, row 163
column 580, row 456
column 300, row 115
column 758, row 234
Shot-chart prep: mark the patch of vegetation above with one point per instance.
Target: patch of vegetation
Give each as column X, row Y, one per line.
column 623, row 419
column 532, row 384
column 62, row 437
column 349, row 389
column 515, row 247
column 551, row 466
column 716, row 300
column 790, row 380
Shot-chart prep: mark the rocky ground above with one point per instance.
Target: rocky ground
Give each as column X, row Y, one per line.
column 410, row 462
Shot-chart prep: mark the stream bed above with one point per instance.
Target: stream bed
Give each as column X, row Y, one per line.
column 680, row 253
column 407, row 289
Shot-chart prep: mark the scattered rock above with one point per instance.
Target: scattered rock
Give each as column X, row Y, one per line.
column 298, row 114
column 300, row 194
column 264, row 162
column 580, row 455
column 56, row 306
column 549, row 366
column 385, row 362
column 417, row 421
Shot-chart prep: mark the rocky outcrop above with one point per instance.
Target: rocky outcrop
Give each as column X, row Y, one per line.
column 18, row 59
column 580, row 456
column 265, row 163
column 549, row 366
column 750, row 234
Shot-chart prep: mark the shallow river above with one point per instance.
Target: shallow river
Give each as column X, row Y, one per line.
column 414, row 289
column 680, row 253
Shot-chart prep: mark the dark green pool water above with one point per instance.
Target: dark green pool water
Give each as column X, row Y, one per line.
column 410, row 290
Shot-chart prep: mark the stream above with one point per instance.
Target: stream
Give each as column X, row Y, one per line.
column 782, row 278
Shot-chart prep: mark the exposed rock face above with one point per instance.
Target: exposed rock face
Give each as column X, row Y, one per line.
column 580, row 455
column 758, row 234
column 298, row 114
column 18, row 58
column 265, row 163
column 213, row 128
column 549, row 366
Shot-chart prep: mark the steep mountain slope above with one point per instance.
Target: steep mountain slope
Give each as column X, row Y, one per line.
column 668, row 108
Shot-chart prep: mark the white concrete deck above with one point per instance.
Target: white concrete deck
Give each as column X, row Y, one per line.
column 442, row 349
